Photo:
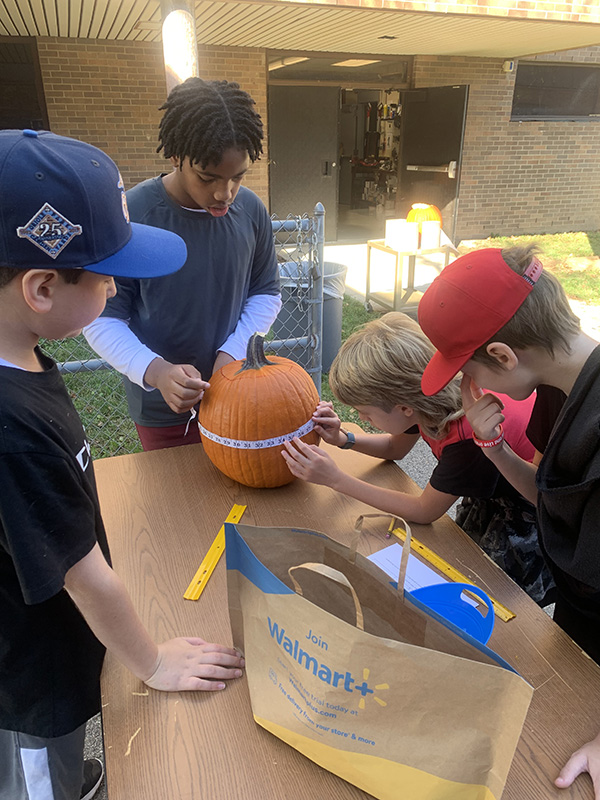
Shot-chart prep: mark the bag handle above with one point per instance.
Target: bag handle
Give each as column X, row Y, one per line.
column 396, row 522
column 334, row 575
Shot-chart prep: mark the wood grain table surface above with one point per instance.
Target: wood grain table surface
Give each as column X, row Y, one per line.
column 162, row 511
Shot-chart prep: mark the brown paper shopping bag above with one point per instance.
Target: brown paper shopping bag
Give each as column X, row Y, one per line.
column 363, row 679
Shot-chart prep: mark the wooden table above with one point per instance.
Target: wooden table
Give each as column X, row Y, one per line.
column 162, row 511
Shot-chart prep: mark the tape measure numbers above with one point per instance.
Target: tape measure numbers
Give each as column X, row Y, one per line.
column 257, row 444
column 501, row 611
column 216, row 550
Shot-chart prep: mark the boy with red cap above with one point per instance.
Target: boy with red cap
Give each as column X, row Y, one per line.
column 503, row 321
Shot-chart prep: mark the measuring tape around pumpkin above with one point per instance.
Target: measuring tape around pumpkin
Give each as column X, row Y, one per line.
column 501, row 611
column 258, row 444
column 216, row 550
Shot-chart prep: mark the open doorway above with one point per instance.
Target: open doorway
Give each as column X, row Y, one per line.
column 348, row 132
column 328, row 136
column 369, row 150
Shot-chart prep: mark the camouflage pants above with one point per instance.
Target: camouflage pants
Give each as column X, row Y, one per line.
column 506, row 530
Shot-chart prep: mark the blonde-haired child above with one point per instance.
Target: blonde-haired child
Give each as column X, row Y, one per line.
column 378, row 371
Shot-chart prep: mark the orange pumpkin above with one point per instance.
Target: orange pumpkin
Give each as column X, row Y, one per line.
column 251, row 407
column 423, row 212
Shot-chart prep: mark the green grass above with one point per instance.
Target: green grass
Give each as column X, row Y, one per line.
column 99, row 398
column 574, row 258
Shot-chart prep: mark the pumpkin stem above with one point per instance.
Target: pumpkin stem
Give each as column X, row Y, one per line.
column 255, row 354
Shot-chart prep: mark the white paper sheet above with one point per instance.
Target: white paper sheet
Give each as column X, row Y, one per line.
column 418, row 574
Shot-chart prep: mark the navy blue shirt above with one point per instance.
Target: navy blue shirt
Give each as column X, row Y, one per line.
column 185, row 317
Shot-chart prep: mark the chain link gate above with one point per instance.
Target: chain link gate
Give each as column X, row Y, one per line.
column 97, row 390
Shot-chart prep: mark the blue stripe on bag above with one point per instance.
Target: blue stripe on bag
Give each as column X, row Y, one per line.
column 240, row 557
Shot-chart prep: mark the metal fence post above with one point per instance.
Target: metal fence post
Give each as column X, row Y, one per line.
column 317, row 305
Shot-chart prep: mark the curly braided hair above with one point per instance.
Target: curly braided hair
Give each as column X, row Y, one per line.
column 203, row 119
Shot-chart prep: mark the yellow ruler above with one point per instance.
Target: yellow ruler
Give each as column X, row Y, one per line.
column 447, row 569
column 217, row 548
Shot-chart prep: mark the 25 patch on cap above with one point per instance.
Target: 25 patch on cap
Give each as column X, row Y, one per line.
column 49, row 231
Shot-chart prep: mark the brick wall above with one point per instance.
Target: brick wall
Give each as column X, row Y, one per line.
column 518, row 177
column 108, row 93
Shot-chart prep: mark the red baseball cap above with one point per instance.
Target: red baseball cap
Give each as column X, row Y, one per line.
column 471, row 299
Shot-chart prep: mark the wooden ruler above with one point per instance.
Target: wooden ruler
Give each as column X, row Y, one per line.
column 504, row 613
column 217, row 548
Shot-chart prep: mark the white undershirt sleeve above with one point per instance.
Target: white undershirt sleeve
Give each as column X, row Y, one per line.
column 112, row 339
column 259, row 313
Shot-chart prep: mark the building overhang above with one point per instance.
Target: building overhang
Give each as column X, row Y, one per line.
column 315, row 27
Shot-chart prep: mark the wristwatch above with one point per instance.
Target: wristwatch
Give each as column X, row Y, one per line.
column 351, row 440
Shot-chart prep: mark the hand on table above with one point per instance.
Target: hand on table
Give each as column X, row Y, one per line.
column 181, row 385
column 327, row 424
column 191, row 664
column 309, row 463
column 483, row 410
column 586, row 759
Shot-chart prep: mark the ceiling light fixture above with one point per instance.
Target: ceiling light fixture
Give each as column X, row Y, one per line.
column 180, row 50
column 285, row 62
column 356, row 62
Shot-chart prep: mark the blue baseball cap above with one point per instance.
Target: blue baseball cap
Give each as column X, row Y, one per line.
column 63, row 206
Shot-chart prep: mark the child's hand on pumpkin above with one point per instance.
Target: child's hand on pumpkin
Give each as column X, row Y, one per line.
column 482, row 409
column 327, row 424
column 309, row 463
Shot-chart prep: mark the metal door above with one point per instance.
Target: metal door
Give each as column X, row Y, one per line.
column 303, row 151
column 432, row 131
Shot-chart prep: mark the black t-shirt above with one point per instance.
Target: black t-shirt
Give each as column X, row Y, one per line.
column 548, row 405
column 464, row 470
column 568, row 482
column 50, row 661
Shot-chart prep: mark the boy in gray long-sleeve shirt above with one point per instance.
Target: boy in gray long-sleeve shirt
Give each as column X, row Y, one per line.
column 172, row 335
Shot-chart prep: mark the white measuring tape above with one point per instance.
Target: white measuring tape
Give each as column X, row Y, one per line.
column 257, row 444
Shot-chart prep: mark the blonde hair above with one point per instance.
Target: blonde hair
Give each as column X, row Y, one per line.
column 544, row 319
column 382, row 363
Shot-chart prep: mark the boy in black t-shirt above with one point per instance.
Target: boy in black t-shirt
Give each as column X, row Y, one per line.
column 64, row 234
